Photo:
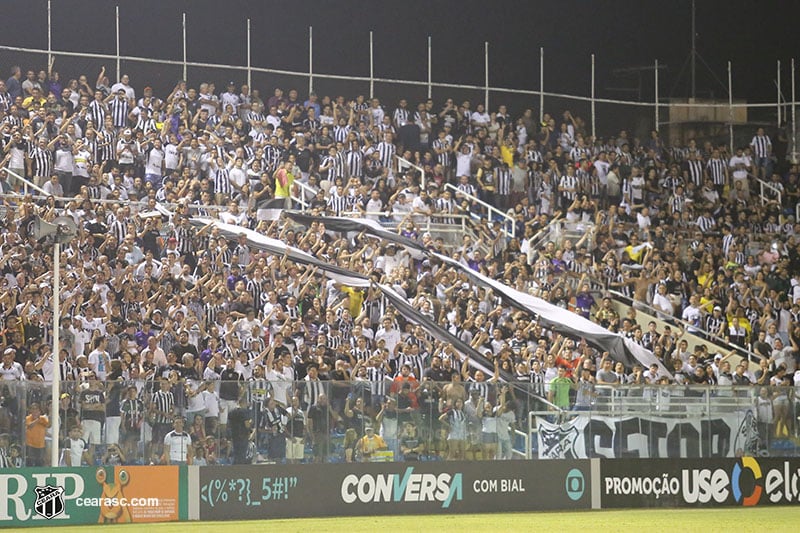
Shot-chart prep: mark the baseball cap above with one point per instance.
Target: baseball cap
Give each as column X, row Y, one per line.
column 717, row 308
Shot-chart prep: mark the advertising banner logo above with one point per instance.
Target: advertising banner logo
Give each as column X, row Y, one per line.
column 277, row 491
column 746, row 481
column 106, row 495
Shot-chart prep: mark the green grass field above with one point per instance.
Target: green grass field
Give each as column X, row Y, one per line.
column 758, row 519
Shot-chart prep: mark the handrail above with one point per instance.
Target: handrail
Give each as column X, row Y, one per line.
column 767, row 185
column 418, row 168
column 300, row 200
column 655, row 313
column 541, row 235
column 526, row 439
column 25, row 182
column 490, row 209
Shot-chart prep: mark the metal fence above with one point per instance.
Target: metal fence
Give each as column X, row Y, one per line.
column 716, row 120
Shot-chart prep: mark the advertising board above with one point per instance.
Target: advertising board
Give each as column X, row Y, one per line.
column 86, row 495
column 277, row 491
column 744, row 481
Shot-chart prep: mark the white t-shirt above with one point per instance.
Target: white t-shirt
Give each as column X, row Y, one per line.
column 171, row 156
column 463, row 162
column 211, row 403
column 75, row 449
column 14, row 373
column 155, row 158
column 81, row 163
column 179, row 445
column 97, row 361
column 737, row 160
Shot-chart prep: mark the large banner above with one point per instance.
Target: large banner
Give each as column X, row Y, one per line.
column 585, row 436
column 746, row 481
column 88, row 495
column 282, row 491
column 551, row 316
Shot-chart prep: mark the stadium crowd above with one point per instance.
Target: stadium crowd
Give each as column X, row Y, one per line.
column 178, row 345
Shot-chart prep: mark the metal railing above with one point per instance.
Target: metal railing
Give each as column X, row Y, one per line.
column 644, row 411
column 702, row 336
column 766, row 198
column 26, row 184
column 402, row 162
column 311, row 73
column 508, row 227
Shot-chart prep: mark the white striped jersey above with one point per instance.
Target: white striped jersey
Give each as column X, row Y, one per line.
column 163, row 403
column 222, row 182
column 466, row 188
column 387, row 151
column 695, row 168
column 355, row 162
column 443, row 150
column 705, row 224
column 119, row 110
column 415, row 362
column 728, row 241
column 761, row 145
column 400, row 116
column 677, row 202
column 258, row 391
column 340, row 133
column 716, row 170
column 272, row 155
column 98, row 111
column 578, row 153
column 42, row 159
column 502, row 178
column 337, row 204
column 185, row 236
column 481, row 386
column 534, row 156
column 568, row 182
column 713, row 324
column 360, row 355
column 106, row 146
column 444, row 205
column 377, row 378
column 313, row 389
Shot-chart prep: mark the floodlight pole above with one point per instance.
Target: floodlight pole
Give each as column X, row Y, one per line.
column 55, row 422
column 541, row 84
column 117, row 40
column 49, row 37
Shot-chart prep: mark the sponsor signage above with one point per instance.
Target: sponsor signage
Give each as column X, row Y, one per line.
column 277, row 491
column 746, row 481
column 88, row 495
column 586, row 437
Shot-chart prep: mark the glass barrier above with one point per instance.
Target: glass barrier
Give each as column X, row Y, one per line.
column 260, row 421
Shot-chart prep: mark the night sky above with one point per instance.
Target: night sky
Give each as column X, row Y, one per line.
column 622, row 33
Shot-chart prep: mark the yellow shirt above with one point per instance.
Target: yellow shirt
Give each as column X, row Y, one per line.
column 507, row 155
column 283, row 190
column 356, row 299
column 36, row 429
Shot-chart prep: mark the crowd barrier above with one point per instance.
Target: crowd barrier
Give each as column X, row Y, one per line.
column 107, row 495
column 622, row 421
